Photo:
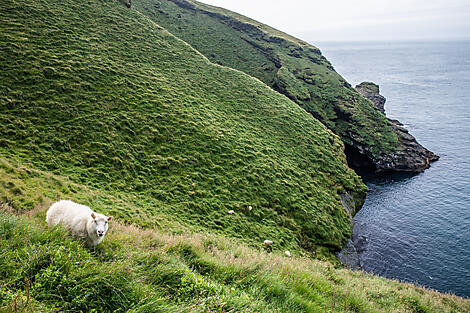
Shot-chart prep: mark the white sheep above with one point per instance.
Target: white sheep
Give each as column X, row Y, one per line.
column 80, row 220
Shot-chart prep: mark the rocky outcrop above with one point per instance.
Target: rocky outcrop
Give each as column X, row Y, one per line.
column 372, row 92
column 412, row 157
column 349, row 256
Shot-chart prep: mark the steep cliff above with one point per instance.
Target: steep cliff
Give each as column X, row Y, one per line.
column 413, row 157
column 292, row 67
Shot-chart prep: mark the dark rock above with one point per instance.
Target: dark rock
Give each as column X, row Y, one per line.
column 295, row 52
column 372, row 92
column 351, row 204
column 360, row 243
column 314, row 50
column 314, row 59
column 184, row 4
column 349, row 256
column 359, row 160
column 412, row 157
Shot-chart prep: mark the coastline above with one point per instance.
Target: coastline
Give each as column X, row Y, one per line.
column 416, row 157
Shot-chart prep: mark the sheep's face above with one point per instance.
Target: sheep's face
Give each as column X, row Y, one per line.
column 100, row 223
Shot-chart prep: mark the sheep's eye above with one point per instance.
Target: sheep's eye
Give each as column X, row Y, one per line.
column 106, row 222
column 96, row 222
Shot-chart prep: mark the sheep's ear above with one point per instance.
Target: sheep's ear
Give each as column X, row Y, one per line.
column 93, row 215
column 110, row 218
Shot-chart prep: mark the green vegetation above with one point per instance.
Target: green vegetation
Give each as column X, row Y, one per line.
column 138, row 270
column 98, row 93
column 100, row 105
column 289, row 65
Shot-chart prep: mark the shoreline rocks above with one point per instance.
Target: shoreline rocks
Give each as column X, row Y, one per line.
column 412, row 157
column 349, row 256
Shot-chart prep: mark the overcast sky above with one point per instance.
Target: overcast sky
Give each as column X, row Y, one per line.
column 339, row 20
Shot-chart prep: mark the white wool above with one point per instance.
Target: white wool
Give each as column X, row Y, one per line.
column 268, row 242
column 231, row 212
column 79, row 220
column 287, row 253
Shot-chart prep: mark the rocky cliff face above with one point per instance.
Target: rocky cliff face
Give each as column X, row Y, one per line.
column 413, row 157
column 372, row 92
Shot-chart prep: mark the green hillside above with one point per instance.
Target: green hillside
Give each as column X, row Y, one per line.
column 101, row 94
column 290, row 66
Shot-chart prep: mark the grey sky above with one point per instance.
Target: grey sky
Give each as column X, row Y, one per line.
column 326, row 20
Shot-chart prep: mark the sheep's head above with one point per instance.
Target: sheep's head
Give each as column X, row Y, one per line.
column 100, row 223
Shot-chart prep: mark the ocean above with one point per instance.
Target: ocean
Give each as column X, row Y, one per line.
column 416, row 228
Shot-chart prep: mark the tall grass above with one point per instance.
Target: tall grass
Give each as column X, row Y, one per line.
column 138, row 270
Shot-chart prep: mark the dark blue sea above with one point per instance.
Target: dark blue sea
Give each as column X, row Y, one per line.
column 418, row 227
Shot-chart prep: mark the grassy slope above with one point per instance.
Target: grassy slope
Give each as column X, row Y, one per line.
column 99, row 93
column 138, row 270
column 289, row 65
column 143, row 131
